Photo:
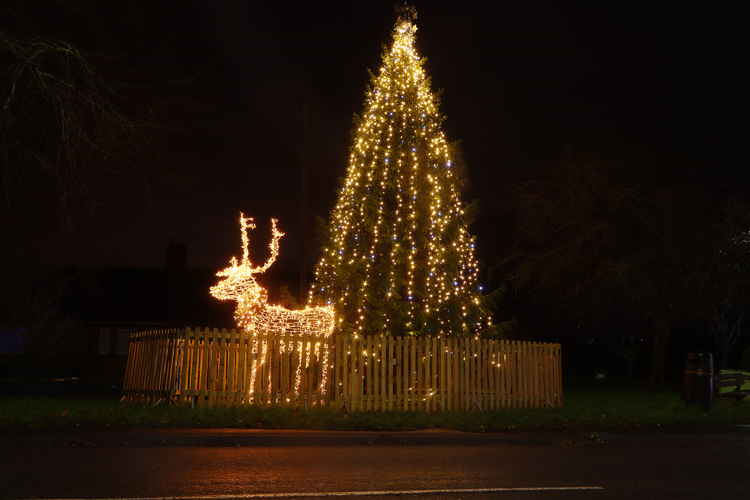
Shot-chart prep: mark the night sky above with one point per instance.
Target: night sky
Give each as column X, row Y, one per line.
column 224, row 84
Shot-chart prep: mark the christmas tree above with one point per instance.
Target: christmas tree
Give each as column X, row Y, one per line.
column 399, row 258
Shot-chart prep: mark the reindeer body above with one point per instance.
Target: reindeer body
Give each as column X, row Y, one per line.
column 279, row 320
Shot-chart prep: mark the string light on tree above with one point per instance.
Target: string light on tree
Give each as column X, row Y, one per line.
column 399, row 257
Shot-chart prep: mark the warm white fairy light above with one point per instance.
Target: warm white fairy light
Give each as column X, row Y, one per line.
column 254, row 315
column 398, row 230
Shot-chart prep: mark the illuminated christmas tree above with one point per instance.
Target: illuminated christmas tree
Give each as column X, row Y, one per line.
column 398, row 257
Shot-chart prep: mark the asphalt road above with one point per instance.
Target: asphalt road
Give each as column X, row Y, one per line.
column 233, row 463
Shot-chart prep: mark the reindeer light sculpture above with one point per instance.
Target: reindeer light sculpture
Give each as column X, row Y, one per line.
column 254, row 315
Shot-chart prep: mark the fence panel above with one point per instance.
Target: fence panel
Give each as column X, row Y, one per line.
column 445, row 374
column 220, row 368
column 376, row 373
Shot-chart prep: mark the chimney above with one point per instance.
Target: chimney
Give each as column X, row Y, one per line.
column 175, row 264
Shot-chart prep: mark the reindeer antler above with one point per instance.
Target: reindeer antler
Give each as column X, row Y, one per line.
column 245, row 224
column 276, row 235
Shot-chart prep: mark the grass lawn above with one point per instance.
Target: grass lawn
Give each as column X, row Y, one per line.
column 596, row 408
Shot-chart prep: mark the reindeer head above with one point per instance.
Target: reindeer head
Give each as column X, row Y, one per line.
column 239, row 278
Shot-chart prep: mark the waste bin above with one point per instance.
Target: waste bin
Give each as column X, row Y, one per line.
column 698, row 381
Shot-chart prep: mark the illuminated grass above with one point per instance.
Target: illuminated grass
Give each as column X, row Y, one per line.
column 745, row 386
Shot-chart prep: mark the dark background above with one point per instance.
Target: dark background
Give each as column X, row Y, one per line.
column 226, row 82
column 220, row 88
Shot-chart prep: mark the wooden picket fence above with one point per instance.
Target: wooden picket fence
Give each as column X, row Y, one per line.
column 209, row 367
column 212, row 367
column 378, row 373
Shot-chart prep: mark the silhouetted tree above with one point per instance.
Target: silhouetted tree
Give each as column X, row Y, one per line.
column 597, row 248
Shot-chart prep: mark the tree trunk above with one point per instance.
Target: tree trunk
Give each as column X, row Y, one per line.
column 659, row 353
column 662, row 324
column 304, row 216
column 722, row 356
column 630, row 367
